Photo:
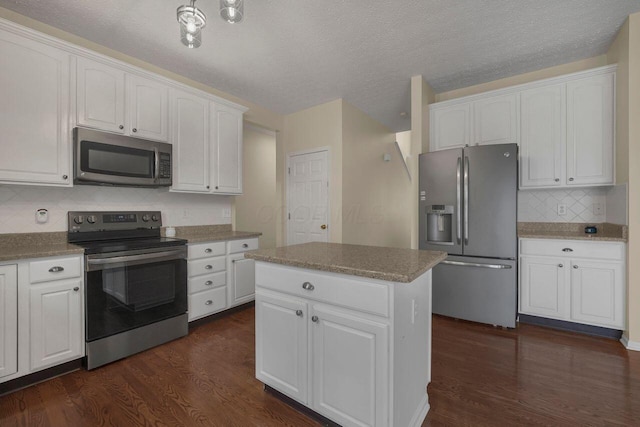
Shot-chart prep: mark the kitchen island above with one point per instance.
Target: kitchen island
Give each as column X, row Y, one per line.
column 345, row 330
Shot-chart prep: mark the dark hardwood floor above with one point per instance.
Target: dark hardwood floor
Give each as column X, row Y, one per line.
column 481, row 376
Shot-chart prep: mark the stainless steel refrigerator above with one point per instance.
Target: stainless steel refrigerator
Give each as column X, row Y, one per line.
column 468, row 207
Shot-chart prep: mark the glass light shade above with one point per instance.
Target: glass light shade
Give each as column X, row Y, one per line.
column 192, row 18
column 189, row 39
column 232, row 11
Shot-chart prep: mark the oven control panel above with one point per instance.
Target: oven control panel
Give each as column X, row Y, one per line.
column 86, row 221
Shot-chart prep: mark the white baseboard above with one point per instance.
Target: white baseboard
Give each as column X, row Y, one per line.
column 421, row 413
column 630, row 345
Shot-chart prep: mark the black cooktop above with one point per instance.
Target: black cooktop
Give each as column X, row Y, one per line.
column 105, row 246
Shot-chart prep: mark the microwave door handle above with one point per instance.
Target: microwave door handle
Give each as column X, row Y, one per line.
column 156, row 163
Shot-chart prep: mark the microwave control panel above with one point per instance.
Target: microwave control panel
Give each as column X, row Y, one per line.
column 164, row 166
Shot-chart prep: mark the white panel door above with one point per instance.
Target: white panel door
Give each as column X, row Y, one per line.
column 307, row 188
column 9, row 320
column 450, row 127
column 226, row 143
column 100, row 96
column 597, row 293
column 149, row 102
column 590, row 126
column 190, row 142
column 55, row 323
column 242, row 279
column 542, row 137
column 34, row 112
column 281, row 344
column 496, row 120
column 350, row 373
column 544, row 287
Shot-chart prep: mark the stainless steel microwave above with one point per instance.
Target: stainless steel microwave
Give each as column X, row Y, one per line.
column 102, row 158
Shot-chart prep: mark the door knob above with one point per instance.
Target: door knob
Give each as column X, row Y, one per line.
column 323, row 226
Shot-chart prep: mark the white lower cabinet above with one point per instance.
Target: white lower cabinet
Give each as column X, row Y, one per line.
column 9, row 320
column 575, row 281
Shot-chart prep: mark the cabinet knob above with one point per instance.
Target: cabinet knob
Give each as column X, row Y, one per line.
column 299, row 313
column 557, row 180
column 314, row 319
column 134, row 129
column 208, row 267
column 575, row 266
column 76, row 289
column 208, row 302
column 207, row 187
column 208, row 283
column 308, row 286
column 121, row 127
column 244, row 245
column 208, row 250
column 570, row 179
column 56, row 269
column 216, row 187
column 323, row 226
column 560, row 265
column 567, row 250
column 64, row 177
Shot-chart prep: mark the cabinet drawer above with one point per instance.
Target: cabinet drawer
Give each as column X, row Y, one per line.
column 327, row 287
column 243, row 245
column 206, row 266
column 54, row 269
column 573, row 249
column 203, row 283
column 207, row 302
column 203, row 250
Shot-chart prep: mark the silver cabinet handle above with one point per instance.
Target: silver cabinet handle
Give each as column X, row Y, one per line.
column 208, row 283
column 314, row 319
column 64, row 177
column 135, row 130
column 567, row 250
column 560, row 265
column 208, row 251
column 570, row 179
column 208, row 302
column 76, row 289
column 299, row 313
column 244, row 245
column 557, row 180
column 308, row 286
column 121, row 127
column 575, row 266
column 56, row 269
column 458, row 201
column 208, row 267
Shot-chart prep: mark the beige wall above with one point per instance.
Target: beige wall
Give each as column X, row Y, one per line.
column 309, row 129
column 255, row 114
column 376, row 195
column 256, row 209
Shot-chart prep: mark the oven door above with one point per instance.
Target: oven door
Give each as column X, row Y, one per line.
column 127, row 290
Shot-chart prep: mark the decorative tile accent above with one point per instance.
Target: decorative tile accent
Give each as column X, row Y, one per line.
column 18, row 205
column 542, row 205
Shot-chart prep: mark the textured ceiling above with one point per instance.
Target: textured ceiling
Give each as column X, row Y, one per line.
column 288, row 55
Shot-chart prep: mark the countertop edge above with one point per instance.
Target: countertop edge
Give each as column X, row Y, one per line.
column 593, row 238
column 22, row 254
column 219, row 238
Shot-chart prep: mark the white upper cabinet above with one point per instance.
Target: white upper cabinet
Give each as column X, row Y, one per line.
column 590, row 125
column 542, row 136
column 190, row 115
column 495, row 120
column 34, row 118
column 112, row 100
column 226, row 144
column 450, row 126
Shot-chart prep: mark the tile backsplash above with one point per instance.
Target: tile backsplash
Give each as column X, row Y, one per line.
column 542, row 205
column 18, row 205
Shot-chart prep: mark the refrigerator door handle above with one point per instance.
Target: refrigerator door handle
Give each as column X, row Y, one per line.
column 474, row 264
column 458, row 199
column 466, row 200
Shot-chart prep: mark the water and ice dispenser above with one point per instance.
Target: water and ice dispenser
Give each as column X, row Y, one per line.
column 439, row 224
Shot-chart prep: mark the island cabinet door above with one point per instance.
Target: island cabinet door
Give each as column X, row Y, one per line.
column 350, row 373
column 281, row 344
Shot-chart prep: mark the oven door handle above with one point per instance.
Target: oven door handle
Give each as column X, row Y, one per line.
column 94, row 264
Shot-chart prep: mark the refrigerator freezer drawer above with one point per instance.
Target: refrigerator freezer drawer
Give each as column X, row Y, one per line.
column 477, row 289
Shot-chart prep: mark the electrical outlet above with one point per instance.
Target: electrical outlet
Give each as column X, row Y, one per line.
column 185, row 213
column 226, row 212
column 598, row 209
column 562, row 209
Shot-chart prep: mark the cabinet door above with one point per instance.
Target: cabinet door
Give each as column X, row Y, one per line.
column 226, row 143
column 34, row 112
column 190, row 142
column 544, row 287
column 149, row 104
column 281, row 344
column 496, row 120
column 350, row 374
column 242, row 279
column 55, row 323
column 9, row 320
column 597, row 293
column 100, row 96
column 450, row 127
column 542, row 137
column 590, row 130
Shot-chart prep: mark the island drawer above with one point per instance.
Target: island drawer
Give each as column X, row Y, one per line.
column 203, row 283
column 243, row 245
column 202, row 250
column 207, row 302
column 206, row 266
column 332, row 288
column 573, row 249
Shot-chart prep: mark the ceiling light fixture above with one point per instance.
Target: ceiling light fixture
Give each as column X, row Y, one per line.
column 232, row 11
column 192, row 20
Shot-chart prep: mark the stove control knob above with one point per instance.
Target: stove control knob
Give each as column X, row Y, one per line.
column 145, row 218
column 79, row 219
column 91, row 219
column 154, row 218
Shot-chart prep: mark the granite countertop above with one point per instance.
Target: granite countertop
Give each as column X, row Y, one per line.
column 36, row 245
column 607, row 232
column 210, row 233
column 390, row 264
